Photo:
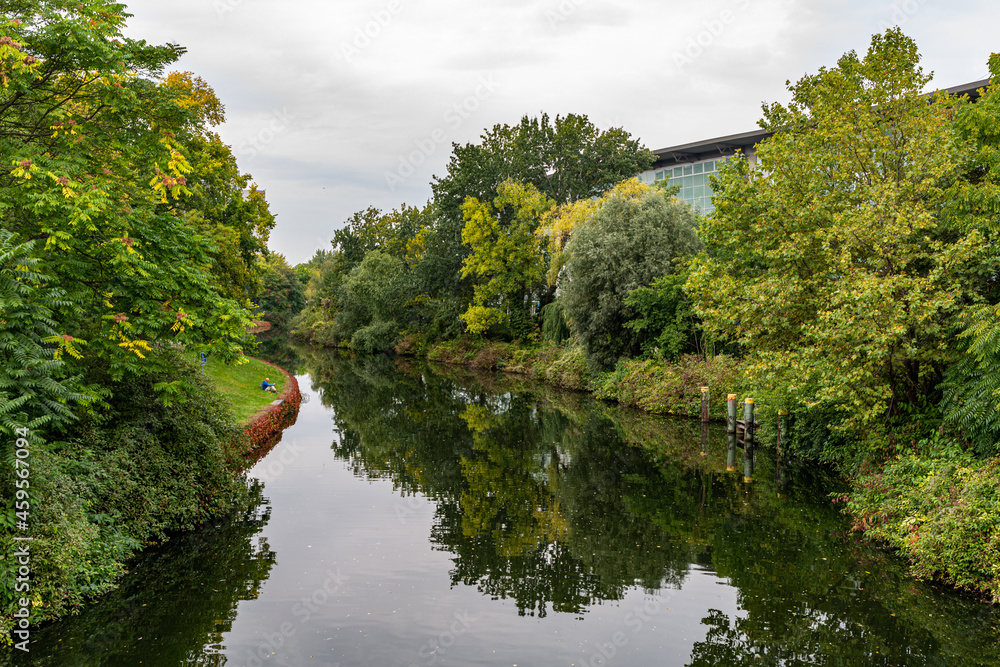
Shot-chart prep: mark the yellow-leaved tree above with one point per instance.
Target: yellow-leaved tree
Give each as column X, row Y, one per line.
column 507, row 260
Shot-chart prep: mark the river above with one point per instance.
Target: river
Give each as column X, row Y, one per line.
column 415, row 517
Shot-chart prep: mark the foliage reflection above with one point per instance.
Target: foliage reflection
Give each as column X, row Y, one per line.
column 559, row 503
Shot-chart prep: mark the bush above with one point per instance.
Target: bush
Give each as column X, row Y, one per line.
column 673, row 388
column 124, row 479
column 379, row 336
column 943, row 513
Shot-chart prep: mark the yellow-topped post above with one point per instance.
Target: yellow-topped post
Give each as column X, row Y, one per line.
column 731, row 428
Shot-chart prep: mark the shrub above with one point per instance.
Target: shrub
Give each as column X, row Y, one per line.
column 943, row 513
column 126, row 478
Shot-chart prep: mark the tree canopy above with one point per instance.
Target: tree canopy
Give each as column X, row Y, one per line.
column 831, row 261
column 131, row 206
column 635, row 235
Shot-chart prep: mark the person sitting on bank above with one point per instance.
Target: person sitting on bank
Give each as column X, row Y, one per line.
column 267, row 386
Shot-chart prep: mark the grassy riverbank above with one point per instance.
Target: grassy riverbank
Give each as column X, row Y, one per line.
column 654, row 386
column 149, row 467
column 935, row 504
column 122, row 479
column 239, row 385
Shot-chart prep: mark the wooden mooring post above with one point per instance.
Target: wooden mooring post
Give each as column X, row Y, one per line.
column 781, row 475
column 704, row 421
column 731, row 428
column 782, row 414
column 748, row 442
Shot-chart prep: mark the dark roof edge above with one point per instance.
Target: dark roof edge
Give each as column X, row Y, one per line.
column 972, row 89
column 730, row 142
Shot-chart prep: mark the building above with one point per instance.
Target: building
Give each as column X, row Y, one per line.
column 690, row 165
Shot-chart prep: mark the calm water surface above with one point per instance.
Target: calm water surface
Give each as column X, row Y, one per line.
column 416, row 517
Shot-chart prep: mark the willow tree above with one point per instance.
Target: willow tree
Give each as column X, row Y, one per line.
column 830, row 261
column 634, row 235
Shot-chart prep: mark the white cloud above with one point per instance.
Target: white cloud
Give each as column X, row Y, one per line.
column 368, row 84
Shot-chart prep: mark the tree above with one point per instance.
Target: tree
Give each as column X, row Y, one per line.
column 506, row 260
column 972, row 385
column 636, row 234
column 830, row 262
column 282, row 294
column 94, row 168
column 372, row 300
column 222, row 203
column 664, row 325
column 557, row 229
column 566, row 159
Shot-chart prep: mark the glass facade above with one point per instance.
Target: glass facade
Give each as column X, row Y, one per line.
column 693, row 179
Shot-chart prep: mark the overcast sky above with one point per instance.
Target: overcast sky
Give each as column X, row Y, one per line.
column 334, row 106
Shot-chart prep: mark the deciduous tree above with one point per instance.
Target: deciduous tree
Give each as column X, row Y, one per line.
column 507, row 260
column 830, row 262
column 635, row 235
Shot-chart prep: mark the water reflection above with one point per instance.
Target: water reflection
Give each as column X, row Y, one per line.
column 561, row 503
column 554, row 529
column 174, row 607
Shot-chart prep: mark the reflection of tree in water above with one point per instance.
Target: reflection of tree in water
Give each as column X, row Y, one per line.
column 809, row 598
column 175, row 605
column 498, row 466
column 276, row 347
column 541, row 501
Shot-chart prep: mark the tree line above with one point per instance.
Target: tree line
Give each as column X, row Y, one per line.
column 129, row 240
column 851, row 268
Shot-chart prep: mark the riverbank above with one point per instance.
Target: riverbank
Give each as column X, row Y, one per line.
column 146, row 468
column 936, row 506
column 650, row 385
column 265, row 426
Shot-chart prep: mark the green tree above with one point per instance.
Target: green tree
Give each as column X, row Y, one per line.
column 222, row 203
column 507, row 261
column 635, row 235
column 94, row 167
column 282, row 294
column 665, row 325
column 830, row 261
column 565, row 159
column 372, row 302
column 972, row 385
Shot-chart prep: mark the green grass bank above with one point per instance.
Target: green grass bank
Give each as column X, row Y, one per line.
column 239, row 385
